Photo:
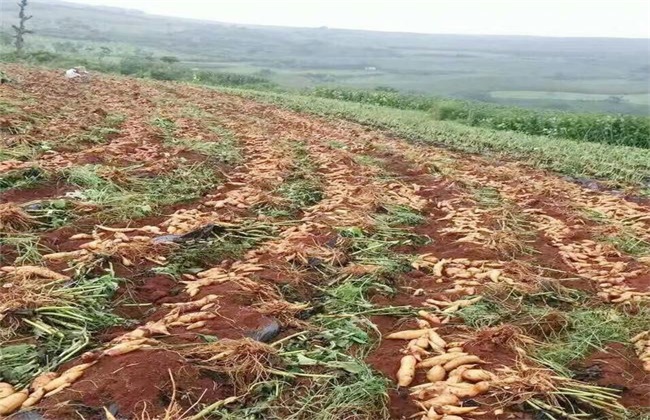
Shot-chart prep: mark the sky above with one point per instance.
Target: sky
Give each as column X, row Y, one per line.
column 583, row 18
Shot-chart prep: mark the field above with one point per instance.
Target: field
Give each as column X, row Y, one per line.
column 458, row 66
column 179, row 252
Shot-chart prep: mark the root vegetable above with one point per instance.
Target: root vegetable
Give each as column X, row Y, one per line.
column 455, row 350
column 437, row 268
column 432, row 319
column 67, row 377
column 452, row 409
column 436, row 373
column 451, row 417
column 441, row 359
column 455, row 376
column 194, row 317
column 406, row 371
column 123, row 348
column 6, row 389
column 34, row 398
column 12, row 402
column 196, row 325
column 436, row 340
column 459, row 361
column 407, row 334
column 422, row 342
column 42, row 380
column 463, row 390
column 440, row 400
column 80, row 367
column 57, row 390
column 476, row 375
column 432, row 415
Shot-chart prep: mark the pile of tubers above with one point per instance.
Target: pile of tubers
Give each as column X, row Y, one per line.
column 642, row 346
column 44, row 385
column 452, row 374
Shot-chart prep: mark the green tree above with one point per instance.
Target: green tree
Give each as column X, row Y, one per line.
column 21, row 30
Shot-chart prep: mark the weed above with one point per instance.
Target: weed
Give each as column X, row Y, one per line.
column 368, row 160
column 166, row 126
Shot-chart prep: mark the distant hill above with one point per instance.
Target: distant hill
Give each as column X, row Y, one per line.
column 572, row 73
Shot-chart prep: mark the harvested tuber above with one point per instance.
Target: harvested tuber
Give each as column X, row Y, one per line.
column 406, row 371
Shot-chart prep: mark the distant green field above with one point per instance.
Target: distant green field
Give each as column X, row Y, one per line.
column 640, row 98
column 499, row 69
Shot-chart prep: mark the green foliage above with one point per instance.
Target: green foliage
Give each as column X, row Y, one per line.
column 629, row 243
column 228, row 241
column 612, row 129
column 51, row 214
column 141, row 196
column 569, row 329
column 590, row 330
column 62, row 316
column 22, row 178
column 230, row 79
column 18, row 363
column 99, row 134
column 26, row 246
column 301, row 193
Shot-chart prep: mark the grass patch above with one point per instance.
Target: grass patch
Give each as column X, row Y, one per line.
column 567, row 327
column 337, row 145
column 99, row 134
column 301, row 193
column 400, row 216
column 589, row 330
column 368, row 160
column 226, row 241
column 62, row 316
column 302, row 188
column 630, row 244
column 22, row 178
column 224, row 150
column 139, row 196
column 487, row 197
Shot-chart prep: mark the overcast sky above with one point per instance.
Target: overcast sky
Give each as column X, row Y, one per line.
column 611, row 18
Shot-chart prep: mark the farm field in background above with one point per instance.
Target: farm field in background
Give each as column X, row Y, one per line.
column 453, row 66
column 174, row 251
